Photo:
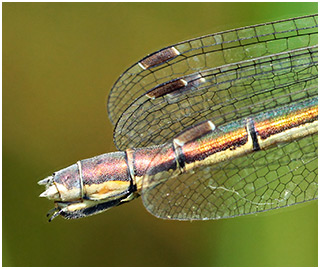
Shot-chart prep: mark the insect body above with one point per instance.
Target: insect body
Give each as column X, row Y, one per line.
column 214, row 127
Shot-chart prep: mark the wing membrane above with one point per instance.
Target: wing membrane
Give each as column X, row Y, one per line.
column 211, row 51
column 281, row 176
column 226, row 93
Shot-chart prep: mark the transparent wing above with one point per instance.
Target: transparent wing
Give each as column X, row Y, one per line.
column 223, row 94
column 212, row 51
column 264, row 180
column 224, row 77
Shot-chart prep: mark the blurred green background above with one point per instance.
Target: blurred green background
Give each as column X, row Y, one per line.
column 60, row 61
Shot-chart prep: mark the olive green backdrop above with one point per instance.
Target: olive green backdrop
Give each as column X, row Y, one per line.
column 60, row 61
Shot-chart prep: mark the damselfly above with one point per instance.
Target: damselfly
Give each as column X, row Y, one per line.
column 218, row 126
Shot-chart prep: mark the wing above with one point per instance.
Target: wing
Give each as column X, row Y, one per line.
column 207, row 52
column 264, row 180
column 225, row 77
column 223, row 94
